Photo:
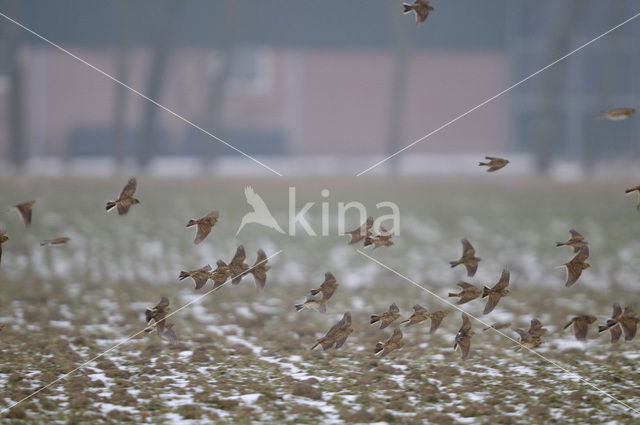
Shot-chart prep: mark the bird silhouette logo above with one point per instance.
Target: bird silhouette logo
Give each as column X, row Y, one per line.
column 260, row 214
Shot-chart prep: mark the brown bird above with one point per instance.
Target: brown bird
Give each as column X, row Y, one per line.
column 381, row 239
column 463, row 337
column 337, row 335
column 420, row 314
column 527, row 340
column 393, row 343
column 498, row 325
column 204, row 225
column 313, row 304
column 576, row 241
column 436, row 319
column 220, row 275
column 328, row 287
column 200, row 276
column 420, row 7
column 612, row 324
column 498, row 291
column 576, row 265
column 634, row 189
column 581, row 325
column 617, row 114
column 494, row 163
column 126, row 199
column 387, row 317
column 56, row 241
column 259, row 270
column 536, row 328
column 237, row 265
column 169, row 334
column 3, row 239
column 158, row 314
column 628, row 320
column 468, row 292
column 468, row 258
column 24, row 210
column 361, row 232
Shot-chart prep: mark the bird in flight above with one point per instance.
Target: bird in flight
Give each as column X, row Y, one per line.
column 259, row 270
column 468, row 258
column 468, row 292
column 576, row 241
column 56, row 241
column 260, row 214
column 393, row 343
column 581, row 325
column 389, row 316
column 337, row 335
column 381, row 239
column 576, row 265
column 498, row 291
column 237, row 266
column 463, row 337
column 221, row 274
column 204, row 225
column 420, row 314
column 628, row 320
column 612, row 324
column 361, row 232
column 311, row 303
column 436, row 319
column 200, row 276
column 421, row 8
column 532, row 336
column 328, row 287
column 126, row 199
column 494, row 163
column 158, row 314
column 617, row 114
column 24, row 211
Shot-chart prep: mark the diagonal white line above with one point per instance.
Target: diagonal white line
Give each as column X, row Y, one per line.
column 6, row 409
column 444, row 300
column 115, row 80
column 498, row 95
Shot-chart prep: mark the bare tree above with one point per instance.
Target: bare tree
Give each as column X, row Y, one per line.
column 18, row 150
column 401, row 60
column 546, row 128
column 164, row 26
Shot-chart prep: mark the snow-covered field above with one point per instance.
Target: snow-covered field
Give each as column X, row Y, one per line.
column 244, row 357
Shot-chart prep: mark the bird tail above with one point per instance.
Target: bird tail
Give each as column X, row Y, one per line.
column 191, row 223
column 183, row 275
column 406, row 8
column 405, row 321
column 567, row 325
column 483, row 163
column 560, row 244
column 374, row 319
column 610, row 324
column 629, row 190
column 455, row 263
column 110, row 205
column 299, row 307
column 367, row 241
column 486, row 291
column 451, row 294
column 148, row 315
column 315, row 292
column 379, row 347
column 45, row 243
column 317, row 343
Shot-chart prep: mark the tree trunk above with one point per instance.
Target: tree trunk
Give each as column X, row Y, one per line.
column 18, row 150
column 163, row 28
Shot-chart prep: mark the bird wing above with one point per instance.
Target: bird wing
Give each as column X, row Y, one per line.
column 467, row 248
column 418, row 309
column 574, row 270
column 523, row 335
column 200, row 279
column 492, row 302
column 629, row 310
column 170, row 335
column 394, row 308
column 203, row 231
column 471, row 268
column 396, row 337
column 24, row 210
column 435, row 323
column 465, row 345
column 629, row 327
column 129, row 189
column 238, row 258
column 616, row 332
column 466, row 323
column 163, row 304
column 582, row 255
column 575, row 235
column 580, row 328
column 346, row 320
column 503, row 282
column 123, row 206
column 340, row 341
column 617, row 310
